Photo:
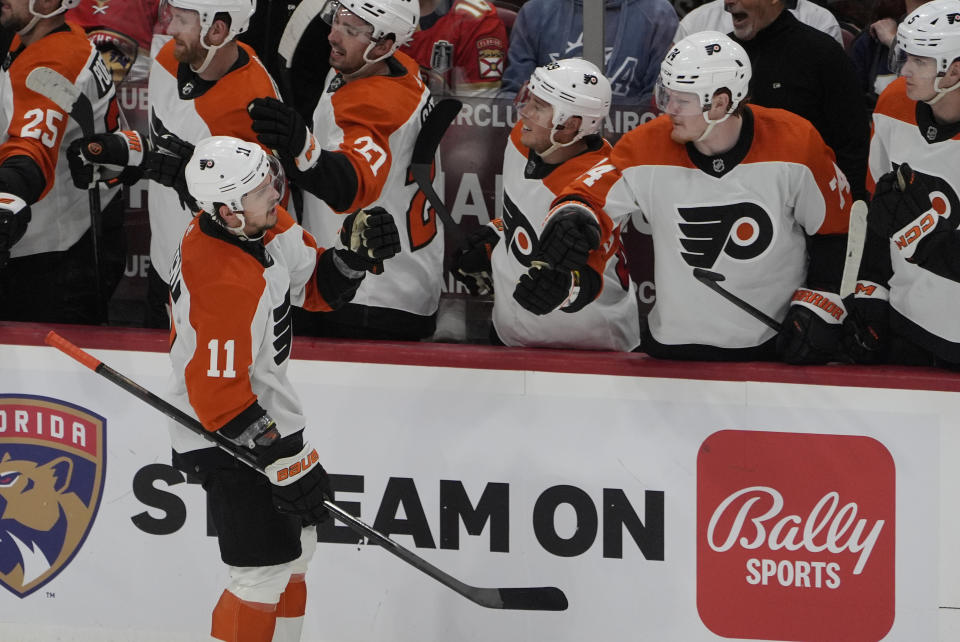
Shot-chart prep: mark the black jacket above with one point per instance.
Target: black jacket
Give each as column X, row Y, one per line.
column 803, row 70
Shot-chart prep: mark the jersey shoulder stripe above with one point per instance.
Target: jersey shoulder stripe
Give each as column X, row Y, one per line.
column 224, row 106
column 894, row 103
column 166, row 59
column 363, row 102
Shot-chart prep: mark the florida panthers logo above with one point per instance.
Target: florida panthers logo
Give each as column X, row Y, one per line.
column 52, row 469
column 742, row 231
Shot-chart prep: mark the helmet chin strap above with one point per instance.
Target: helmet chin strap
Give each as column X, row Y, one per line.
column 711, row 124
column 211, row 52
column 238, row 231
column 940, row 92
column 37, row 17
column 554, row 145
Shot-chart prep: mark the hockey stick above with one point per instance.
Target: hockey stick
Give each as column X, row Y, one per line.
column 711, row 280
column 424, row 150
column 539, row 598
column 68, row 97
column 856, row 238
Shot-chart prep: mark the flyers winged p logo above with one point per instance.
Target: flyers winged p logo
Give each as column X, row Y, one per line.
column 742, row 231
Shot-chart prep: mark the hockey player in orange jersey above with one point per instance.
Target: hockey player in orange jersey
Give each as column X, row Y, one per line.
column 200, row 83
column 905, row 306
column 243, row 262
column 356, row 155
column 747, row 193
column 47, row 243
column 562, row 108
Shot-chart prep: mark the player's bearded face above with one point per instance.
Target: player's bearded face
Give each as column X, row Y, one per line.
column 349, row 38
column 184, row 27
column 14, row 14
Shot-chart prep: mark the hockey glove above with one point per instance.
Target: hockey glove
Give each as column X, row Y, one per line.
column 866, row 326
column 14, row 217
column 300, row 484
column 569, row 234
column 281, row 128
column 471, row 261
column 810, row 333
column 543, row 289
column 367, row 238
column 109, row 158
column 167, row 166
column 899, row 199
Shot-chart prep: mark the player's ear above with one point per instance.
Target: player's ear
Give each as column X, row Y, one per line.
column 382, row 47
column 218, row 33
column 720, row 104
column 570, row 129
column 952, row 76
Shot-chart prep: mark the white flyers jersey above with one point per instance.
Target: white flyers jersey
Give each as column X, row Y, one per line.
column 374, row 122
column 609, row 322
column 193, row 110
column 32, row 125
column 929, row 300
column 745, row 214
column 231, row 324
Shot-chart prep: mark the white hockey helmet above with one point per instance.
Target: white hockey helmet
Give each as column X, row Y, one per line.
column 37, row 16
column 240, row 12
column 574, row 87
column 702, row 64
column 224, row 169
column 930, row 31
column 398, row 17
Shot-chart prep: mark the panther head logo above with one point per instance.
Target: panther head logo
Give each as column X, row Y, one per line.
column 51, row 480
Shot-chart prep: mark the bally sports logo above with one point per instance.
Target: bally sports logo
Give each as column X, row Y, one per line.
column 795, row 536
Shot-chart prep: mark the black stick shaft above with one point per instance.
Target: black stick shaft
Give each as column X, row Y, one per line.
column 710, row 279
column 546, row 598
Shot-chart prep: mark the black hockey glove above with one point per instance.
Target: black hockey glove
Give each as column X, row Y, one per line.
column 900, row 198
column 471, row 261
column 300, row 484
column 810, row 333
column 543, row 289
column 109, row 158
column 167, row 166
column 281, row 128
column 367, row 238
column 571, row 232
column 14, row 217
column 867, row 324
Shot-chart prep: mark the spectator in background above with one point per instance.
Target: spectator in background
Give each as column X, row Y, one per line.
column 122, row 31
column 871, row 50
column 557, row 139
column 48, row 249
column 905, row 307
column 713, row 16
column 462, row 50
column 803, row 70
column 637, row 35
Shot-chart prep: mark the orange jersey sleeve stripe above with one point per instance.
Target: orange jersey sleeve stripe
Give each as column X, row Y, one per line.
column 221, row 311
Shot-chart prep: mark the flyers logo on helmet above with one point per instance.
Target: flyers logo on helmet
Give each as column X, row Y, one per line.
column 52, row 465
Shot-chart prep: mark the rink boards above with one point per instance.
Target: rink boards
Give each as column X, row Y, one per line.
column 668, row 501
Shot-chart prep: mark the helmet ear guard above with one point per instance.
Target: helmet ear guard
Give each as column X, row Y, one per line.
column 396, row 18
column 930, row 31
column 574, row 88
column 703, row 64
column 225, row 170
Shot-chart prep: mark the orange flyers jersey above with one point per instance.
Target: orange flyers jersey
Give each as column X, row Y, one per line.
column 904, row 132
column 194, row 112
column 32, row 125
column 232, row 326
column 374, row 122
column 609, row 322
column 745, row 214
